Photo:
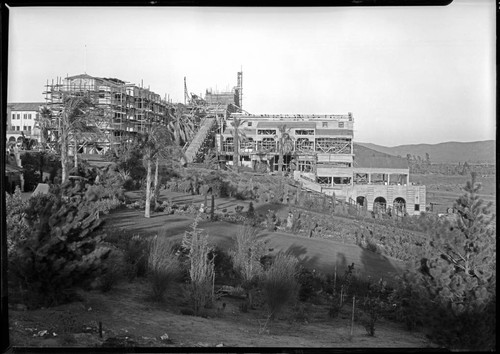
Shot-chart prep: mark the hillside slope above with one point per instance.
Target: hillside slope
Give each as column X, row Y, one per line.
column 449, row 152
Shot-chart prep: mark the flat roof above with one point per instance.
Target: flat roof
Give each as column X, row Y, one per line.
column 289, row 125
column 346, row 132
column 24, row 106
column 294, row 117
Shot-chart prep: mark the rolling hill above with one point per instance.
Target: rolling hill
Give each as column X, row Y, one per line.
column 449, row 152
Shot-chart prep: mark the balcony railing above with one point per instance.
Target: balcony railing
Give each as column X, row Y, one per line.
column 27, row 133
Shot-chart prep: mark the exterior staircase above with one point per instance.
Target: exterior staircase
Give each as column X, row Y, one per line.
column 199, row 138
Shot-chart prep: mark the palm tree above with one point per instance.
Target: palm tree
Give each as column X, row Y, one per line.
column 156, row 144
column 285, row 144
column 76, row 116
column 44, row 122
column 181, row 124
column 237, row 123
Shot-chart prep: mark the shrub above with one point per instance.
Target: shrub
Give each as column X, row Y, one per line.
column 246, row 257
column 114, row 270
column 250, row 214
column 201, row 270
column 340, row 290
column 373, row 305
column 185, row 186
column 163, row 265
column 136, row 257
column 223, row 266
column 271, row 221
column 296, row 223
column 16, row 227
column 61, row 250
column 372, row 246
column 279, row 283
column 310, row 283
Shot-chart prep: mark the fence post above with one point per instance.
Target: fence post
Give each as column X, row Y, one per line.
column 352, row 319
column 335, row 279
column 212, row 208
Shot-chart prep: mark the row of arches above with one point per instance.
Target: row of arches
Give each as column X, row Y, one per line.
column 19, row 139
column 380, row 203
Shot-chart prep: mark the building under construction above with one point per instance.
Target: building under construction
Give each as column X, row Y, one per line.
column 127, row 109
column 320, row 153
column 318, row 150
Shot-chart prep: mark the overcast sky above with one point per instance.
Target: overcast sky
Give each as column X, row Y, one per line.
column 409, row 75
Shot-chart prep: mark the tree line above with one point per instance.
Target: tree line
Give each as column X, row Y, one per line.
column 424, row 165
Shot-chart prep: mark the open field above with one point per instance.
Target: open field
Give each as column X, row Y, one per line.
column 443, row 190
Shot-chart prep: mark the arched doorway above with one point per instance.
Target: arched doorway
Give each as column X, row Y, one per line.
column 361, row 201
column 399, row 205
column 379, row 204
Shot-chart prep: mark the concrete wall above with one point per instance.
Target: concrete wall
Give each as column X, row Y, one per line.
column 411, row 194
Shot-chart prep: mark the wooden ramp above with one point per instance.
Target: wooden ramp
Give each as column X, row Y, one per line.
column 201, row 135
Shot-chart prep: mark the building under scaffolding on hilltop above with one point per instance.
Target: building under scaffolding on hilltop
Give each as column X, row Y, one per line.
column 321, row 155
column 127, row 109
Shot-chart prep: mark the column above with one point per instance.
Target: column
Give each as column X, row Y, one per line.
column 369, row 178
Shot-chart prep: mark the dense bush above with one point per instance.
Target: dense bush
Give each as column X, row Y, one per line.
column 128, row 159
column 271, row 220
column 16, row 227
column 136, row 254
column 135, row 250
column 61, row 248
column 113, row 273
column 35, row 163
column 164, row 266
column 279, row 283
column 374, row 305
column 310, row 284
column 84, row 170
column 223, row 266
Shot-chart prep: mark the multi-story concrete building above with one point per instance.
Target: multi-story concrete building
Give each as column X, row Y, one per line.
column 127, row 109
column 321, row 152
column 22, row 120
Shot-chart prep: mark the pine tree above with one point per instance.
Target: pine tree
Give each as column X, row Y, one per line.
column 457, row 275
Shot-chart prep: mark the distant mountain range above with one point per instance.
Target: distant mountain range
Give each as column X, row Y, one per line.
column 449, row 152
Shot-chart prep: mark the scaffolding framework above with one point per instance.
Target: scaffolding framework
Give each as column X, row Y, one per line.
column 127, row 109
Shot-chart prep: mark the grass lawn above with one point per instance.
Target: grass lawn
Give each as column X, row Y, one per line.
column 320, row 254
